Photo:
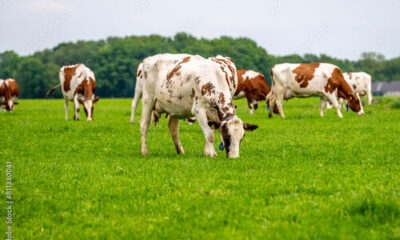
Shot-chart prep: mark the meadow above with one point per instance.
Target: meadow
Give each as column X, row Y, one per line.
column 303, row 177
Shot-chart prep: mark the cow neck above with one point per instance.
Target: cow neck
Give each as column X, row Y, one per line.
column 345, row 88
column 7, row 92
column 88, row 89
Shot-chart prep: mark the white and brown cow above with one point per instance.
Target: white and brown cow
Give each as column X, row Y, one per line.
column 311, row 79
column 8, row 93
column 360, row 82
column 253, row 86
column 193, row 86
column 78, row 84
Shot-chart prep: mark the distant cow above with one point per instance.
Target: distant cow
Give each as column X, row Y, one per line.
column 360, row 83
column 193, row 86
column 8, row 93
column 311, row 79
column 79, row 85
column 254, row 87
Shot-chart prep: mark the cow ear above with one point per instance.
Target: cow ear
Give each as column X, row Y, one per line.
column 214, row 125
column 97, row 98
column 249, row 127
column 15, row 103
column 80, row 101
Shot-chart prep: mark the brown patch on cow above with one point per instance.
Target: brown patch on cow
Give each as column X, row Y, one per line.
column 223, row 63
column 87, row 88
column 69, row 72
column 305, row 73
column 226, row 75
column 5, row 92
column 208, row 89
column 330, row 86
column 12, row 84
column 221, row 98
column 354, row 86
column 175, row 70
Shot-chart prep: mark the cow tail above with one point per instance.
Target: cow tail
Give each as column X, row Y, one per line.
column 52, row 90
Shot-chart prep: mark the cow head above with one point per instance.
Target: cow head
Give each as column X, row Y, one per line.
column 355, row 104
column 10, row 105
column 8, row 100
column 88, row 105
column 353, row 101
column 232, row 132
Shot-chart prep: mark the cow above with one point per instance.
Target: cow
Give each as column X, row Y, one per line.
column 254, row 87
column 311, row 79
column 193, row 86
column 360, row 83
column 8, row 93
column 78, row 85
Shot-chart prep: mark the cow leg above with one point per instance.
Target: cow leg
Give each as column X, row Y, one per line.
column 271, row 100
column 341, row 103
column 333, row 100
column 279, row 102
column 361, row 105
column 76, row 107
column 66, row 108
column 173, row 126
column 147, row 105
column 321, row 107
column 201, row 116
column 369, row 96
column 328, row 105
column 135, row 100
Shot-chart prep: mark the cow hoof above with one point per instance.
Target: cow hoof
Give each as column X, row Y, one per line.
column 145, row 152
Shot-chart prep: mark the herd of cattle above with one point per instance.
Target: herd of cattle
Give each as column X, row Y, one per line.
column 203, row 89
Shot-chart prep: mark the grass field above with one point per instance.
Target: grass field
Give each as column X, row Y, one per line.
column 303, row 177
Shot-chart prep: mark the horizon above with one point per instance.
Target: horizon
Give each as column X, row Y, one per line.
column 369, row 26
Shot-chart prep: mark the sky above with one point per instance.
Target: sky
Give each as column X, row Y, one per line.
column 340, row 28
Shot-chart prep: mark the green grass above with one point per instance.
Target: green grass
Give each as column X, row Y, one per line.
column 303, row 177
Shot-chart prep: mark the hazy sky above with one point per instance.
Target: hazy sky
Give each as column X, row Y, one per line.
column 340, row 28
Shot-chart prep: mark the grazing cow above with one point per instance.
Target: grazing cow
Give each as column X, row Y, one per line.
column 311, row 79
column 254, row 87
column 361, row 83
column 78, row 85
column 193, row 86
column 8, row 93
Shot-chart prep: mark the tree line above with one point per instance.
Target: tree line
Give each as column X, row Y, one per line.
column 115, row 59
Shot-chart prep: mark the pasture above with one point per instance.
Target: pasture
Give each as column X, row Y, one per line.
column 303, row 177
